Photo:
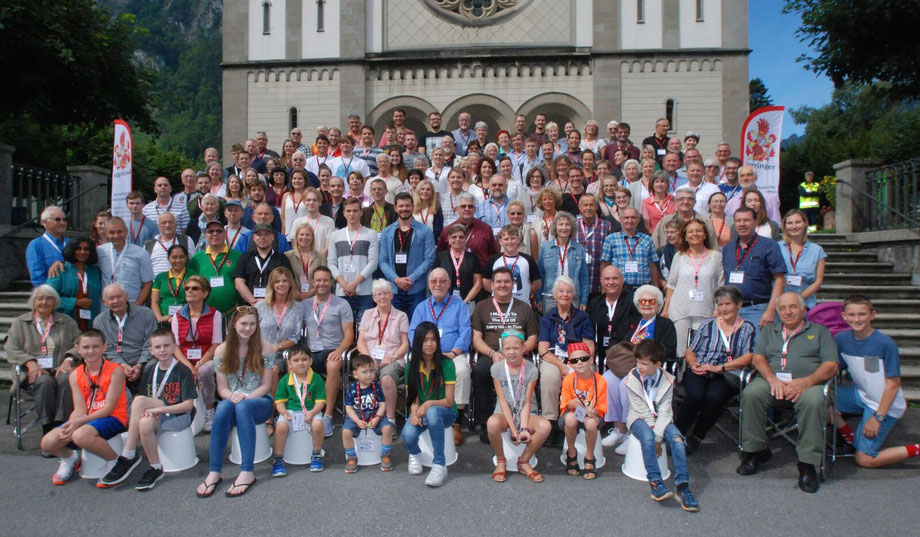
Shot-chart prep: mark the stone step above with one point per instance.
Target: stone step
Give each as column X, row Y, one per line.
column 862, row 255
column 13, row 309
column 857, row 267
column 14, row 297
column 912, row 394
column 904, row 337
column 860, row 279
column 886, row 305
column 20, row 285
column 842, row 246
column 840, row 290
column 824, row 238
column 884, row 321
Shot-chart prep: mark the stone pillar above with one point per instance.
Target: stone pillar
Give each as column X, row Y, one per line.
column 293, row 19
column 605, row 67
column 235, row 29
column 88, row 205
column 849, row 216
column 6, row 183
column 670, row 24
column 352, row 46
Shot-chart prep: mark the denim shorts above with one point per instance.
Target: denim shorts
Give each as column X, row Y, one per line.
column 355, row 430
column 107, row 428
column 849, row 402
column 561, row 423
column 175, row 422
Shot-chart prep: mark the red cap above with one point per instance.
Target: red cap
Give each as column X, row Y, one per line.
column 578, row 346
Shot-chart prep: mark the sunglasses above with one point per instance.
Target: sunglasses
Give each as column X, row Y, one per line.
column 245, row 309
column 648, row 302
column 192, row 288
column 581, row 359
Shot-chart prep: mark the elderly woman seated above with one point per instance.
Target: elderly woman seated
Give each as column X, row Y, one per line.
column 648, row 324
column 38, row 342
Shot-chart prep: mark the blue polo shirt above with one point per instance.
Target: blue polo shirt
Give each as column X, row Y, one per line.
column 451, row 315
column 760, row 263
column 41, row 253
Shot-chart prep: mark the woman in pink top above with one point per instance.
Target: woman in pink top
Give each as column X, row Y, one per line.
column 384, row 336
column 660, row 203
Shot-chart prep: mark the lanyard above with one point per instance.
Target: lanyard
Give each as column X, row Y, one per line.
column 192, row 335
column 215, row 265
column 93, row 386
column 640, row 332
column 381, row 216
column 795, row 260
column 259, row 264
column 84, row 282
column 179, row 280
column 44, row 333
column 584, row 231
column 498, row 211
column 296, row 204
column 437, row 317
column 347, row 167
column 156, row 206
column 632, row 252
column 280, row 318
column 611, row 311
column 507, row 313
column 301, row 390
column 159, row 387
column 739, row 259
column 166, row 247
column 546, row 224
column 139, row 229
column 662, row 208
column 351, row 242
column 515, row 397
column 560, row 328
column 236, row 236
column 430, row 384
column 727, row 341
column 382, row 329
column 305, row 267
column 457, row 263
column 402, row 241
column 697, row 267
column 425, row 213
column 116, row 261
column 563, row 255
column 513, row 265
column 319, row 320
column 121, row 326
column 721, row 228
column 584, row 400
column 52, row 243
column 786, row 341
column 648, row 399
column 360, row 404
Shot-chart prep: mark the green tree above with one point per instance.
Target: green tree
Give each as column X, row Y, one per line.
column 862, row 42
column 759, row 95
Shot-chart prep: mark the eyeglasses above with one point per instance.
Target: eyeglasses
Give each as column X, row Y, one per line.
column 57, row 219
column 193, row 288
column 581, row 359
column 245, row 309
column 466, row 206
column 215, row 231
column 647, row 302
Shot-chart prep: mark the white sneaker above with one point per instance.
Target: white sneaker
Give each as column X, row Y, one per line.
column 621, row 449
column 436, row 476
column 208, row 419
column 66, row 470
column 613, row 438
column 415, row 465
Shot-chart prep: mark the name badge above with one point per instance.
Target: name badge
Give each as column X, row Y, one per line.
column 696, row 296
column 258, row 292
column 46, row 362
column 298, row 423
column 365, row 443
column 662, row 152
column 174, row 309
column 350, row 268
column 316, row 345
column 581, row 413
column 85, row 314
column 531, row 218
column 784, row 376
column 496, row 231
column 304, row 287
column 457, row 294
column 217, row 281
column 793, row 279
column 402, row 258
column 561, row 353
column 193, row 354
column 606, row 341
column 632, row 266
column 736, row 276
column 588, row 258
column 441, row 333
column 377, row 353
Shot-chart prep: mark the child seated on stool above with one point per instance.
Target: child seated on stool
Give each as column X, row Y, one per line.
column 99, row 410
column 649, row 419
column 168, row 389
column 299, row 400
column 872, row 358
column 583, row 405
column 365, row 408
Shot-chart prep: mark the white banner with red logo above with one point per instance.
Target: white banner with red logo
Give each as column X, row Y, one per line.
column 122, row 158
column 760, row 138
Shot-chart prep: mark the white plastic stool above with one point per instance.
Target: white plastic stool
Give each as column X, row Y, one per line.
column 581, row 447
column 263, row 449
column 427, row 455
column 177, row 450
column 198, row 420
column 634, row 465
column 368, row 446
column 91, row 465
column 298, row 449
column 513, row 453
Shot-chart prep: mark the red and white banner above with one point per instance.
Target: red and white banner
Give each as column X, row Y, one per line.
column 122, row 158
column 760, row 138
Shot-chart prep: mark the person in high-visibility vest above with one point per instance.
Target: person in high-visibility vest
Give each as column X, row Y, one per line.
column 809, row 199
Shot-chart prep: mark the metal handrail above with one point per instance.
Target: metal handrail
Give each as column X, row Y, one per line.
column 32, row 220
column 880, row 202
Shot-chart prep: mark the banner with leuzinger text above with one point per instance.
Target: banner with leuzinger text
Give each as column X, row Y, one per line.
column 760, row 138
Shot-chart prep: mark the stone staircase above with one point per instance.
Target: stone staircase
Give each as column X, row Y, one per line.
column 850, row 270
column 13, row 303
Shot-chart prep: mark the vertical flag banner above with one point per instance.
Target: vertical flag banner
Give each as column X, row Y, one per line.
column 760, row 138
column 122, row 158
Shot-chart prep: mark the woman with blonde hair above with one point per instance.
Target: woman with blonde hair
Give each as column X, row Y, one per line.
column 427, row 206
column 304, row 257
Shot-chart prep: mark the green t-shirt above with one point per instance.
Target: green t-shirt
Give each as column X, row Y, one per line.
column 161, row 283
column 807, row 350
column 224, row 297
column 426, row 391
column 287, row 391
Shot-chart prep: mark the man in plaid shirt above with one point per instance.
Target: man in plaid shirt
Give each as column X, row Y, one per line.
column 590, row 232
column 632, row 252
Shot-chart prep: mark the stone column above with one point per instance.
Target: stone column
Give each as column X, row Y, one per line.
column 849, row 216
column 88, row 205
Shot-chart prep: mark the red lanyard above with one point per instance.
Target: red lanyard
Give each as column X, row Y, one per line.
column 425, row 213
column 739, row 259
column 501, row 315
column 560, row 331
column 563, row 255
column 93, row 386
column 402, row 241
column 235, row 237
column 696, row 268
column 581, row 398
column 81, row 276
column 793, row 261
column 351, row 246
column 663, row 209
column 280, row 319
column 169, row 280
column 381, row 216
column 498, row 211
column 164, row 247
column 546, row 225
column 216, row 266
column 382, row 329
column 359, row 404
column 584, row 230
column 296, row 204
column 44, row 334
column 139, row 229
column 513, row 265
column 632, row 252
column 305, row 267
column 430, row 384
column 786, row 341
column 457, row 263
column 437, row 317
column 121, row 325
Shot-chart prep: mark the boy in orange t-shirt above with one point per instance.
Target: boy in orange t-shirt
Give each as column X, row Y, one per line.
column 582, row 406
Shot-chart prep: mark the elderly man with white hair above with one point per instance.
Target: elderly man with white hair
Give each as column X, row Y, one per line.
column 452, row 317
column 747, row 177
column 126, row 328
column 124, row 263
column 385, row 169
column 47, row 250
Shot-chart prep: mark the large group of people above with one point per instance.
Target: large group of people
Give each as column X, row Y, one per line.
column 532, row 285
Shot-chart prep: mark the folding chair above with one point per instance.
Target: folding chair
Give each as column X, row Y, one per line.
column 733, row 411
column 15, row 412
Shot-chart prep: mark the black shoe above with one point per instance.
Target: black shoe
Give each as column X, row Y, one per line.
column 751, row 461
column 484, row 436
column 150, row 478
column 557, row 438
column 122, row 469
column 693, row 443
column 808, row 477
column 844, row 449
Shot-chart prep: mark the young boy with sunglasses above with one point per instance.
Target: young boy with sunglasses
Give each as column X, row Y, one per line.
column 583, row 405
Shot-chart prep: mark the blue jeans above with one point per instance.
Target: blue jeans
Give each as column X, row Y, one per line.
column 244, row 416
column 753, row 314
column 405, row 302
column 675, row 442
column 436, row 420
column 359, row 303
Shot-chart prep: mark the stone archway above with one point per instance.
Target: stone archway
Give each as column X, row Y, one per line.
column 558, row 107
column 482, row 107
column 416, row 109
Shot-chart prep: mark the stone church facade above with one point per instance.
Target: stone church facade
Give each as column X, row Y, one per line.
column 314, row 62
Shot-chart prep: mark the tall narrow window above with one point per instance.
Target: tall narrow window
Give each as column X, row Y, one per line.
column 699, row 10
column 292, row 117
column 266, row 17
column 640, row 11
column 669, row 113
column 320, row 15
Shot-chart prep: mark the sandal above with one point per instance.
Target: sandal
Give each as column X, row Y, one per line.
column 236, row 485
column 571, row 464
column 590, row 473
column 209, row 488
column 532, row 475
column 500, row 476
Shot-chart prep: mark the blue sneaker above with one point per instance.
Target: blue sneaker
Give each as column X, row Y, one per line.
column 686, row 500
column 278, row 469
column 316, row 465
column 660, row 491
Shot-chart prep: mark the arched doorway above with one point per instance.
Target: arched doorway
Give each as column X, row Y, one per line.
column 559, row 108
column 493, row 111
column 416, row 109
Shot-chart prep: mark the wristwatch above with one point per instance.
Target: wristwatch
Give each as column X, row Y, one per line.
column 879, row 417
column 723, row 368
